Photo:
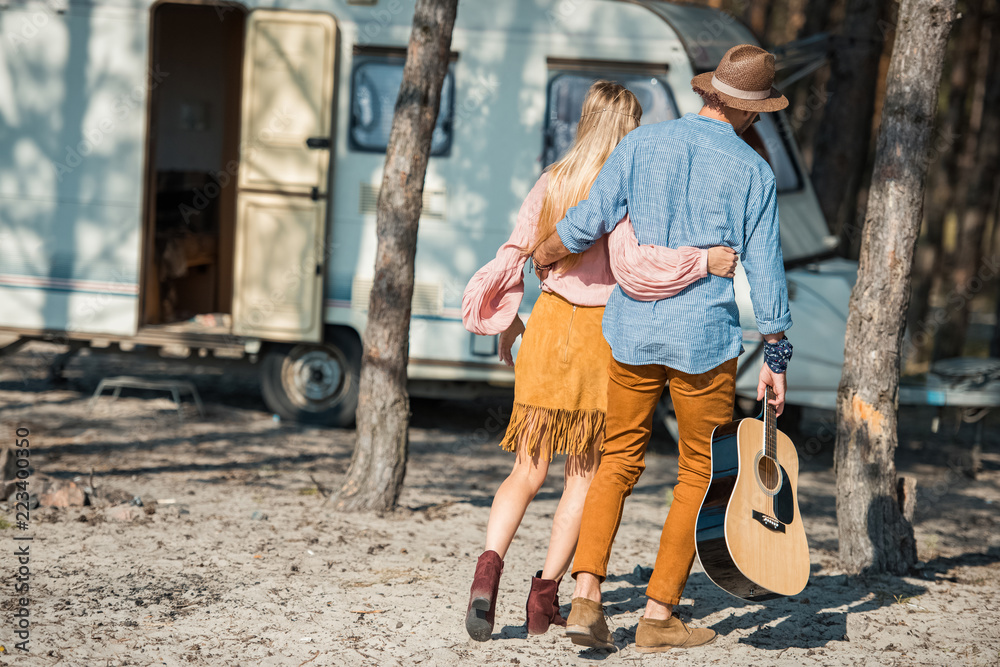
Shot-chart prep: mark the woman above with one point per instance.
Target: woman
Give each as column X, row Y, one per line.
column 560, row 390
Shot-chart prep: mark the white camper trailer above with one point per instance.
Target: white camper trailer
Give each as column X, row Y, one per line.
column 203, row 175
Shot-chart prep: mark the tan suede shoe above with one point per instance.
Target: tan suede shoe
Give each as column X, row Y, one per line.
column 586, row 625
column 656, row 636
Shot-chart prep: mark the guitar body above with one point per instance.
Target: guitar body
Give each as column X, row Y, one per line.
column 749, row 535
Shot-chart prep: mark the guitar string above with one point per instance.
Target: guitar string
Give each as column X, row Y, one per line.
column 764, row 441
column 767, row 442
column 763, row 451
column 768, row 437
column 773, row 435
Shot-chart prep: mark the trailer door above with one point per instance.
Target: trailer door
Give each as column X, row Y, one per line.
column 286, row 135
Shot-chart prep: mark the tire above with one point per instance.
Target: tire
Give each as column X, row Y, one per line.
column 314, row 383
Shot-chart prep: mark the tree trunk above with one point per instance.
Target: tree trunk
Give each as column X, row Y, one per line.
column 817, row 15
column 757, row 16
column 378, row 466
column 875, row 536
column 809, row 94
column 995, row 341
column 942, row 191
column 968, row 273
column 995, row 252
column 786, row 21
column 844, row 140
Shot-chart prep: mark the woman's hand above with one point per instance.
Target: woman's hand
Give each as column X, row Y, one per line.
column 722, row 261
column 507, row 339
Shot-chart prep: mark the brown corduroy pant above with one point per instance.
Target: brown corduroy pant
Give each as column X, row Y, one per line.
column 701, row 402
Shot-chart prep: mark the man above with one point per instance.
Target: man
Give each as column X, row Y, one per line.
column 691, row 181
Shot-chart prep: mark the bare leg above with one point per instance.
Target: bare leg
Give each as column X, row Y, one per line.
column 587, row 586
column 512, row 499
column 580, row 471
column 656, row 610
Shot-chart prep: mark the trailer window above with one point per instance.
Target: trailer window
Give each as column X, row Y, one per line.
column 375, row 86
column 566, row 95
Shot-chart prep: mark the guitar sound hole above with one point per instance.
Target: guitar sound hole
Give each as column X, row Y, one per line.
column 767, row 472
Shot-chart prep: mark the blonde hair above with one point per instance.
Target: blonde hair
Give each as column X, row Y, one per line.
column 610, row 111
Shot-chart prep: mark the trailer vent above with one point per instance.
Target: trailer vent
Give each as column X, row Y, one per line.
column 427, row 297
column 433, row 207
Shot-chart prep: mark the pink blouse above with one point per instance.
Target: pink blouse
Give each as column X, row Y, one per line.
column 644, row 272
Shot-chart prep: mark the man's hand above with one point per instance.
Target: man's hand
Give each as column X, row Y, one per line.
column 777, row 382
column 722, row 261
column 507, row 339
column 549, row 251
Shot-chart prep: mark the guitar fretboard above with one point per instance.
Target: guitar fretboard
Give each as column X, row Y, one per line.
column 770, row 425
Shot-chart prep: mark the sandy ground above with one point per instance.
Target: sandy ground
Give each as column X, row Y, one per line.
column 201, row 581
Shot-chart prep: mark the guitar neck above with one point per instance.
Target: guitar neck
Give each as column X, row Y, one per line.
column 770, row 425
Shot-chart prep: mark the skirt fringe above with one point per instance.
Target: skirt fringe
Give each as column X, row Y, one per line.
column 549, row 431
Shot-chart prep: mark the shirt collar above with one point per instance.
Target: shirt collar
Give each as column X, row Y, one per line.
column 717, row 125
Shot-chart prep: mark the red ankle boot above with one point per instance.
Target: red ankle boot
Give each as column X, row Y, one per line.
column 543, row 605
column 483, row 597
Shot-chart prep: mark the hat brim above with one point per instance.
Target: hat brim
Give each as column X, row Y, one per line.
column 774, row 102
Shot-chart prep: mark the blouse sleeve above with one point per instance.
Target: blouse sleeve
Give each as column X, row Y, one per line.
column 650, row 272
column 493, row 296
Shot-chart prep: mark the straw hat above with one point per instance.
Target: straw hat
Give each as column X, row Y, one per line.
column 743, row 80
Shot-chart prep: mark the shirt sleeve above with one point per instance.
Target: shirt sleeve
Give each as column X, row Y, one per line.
column 649, row 272
column 606, row 204
column 763, row 262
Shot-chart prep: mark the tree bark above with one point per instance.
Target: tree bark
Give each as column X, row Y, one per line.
column 378, row 466
column 968, row 272
column 874, row 534
column 844, row 139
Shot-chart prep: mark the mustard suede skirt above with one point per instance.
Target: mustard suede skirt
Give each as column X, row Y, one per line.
column 560, row 381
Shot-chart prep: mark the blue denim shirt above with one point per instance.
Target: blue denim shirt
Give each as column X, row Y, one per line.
column 690, row 181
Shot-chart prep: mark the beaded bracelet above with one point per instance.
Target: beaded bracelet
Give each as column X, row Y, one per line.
column 776, row 355
column 541, row 267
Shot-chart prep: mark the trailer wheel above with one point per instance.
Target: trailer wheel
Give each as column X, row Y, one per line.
column 314, row 383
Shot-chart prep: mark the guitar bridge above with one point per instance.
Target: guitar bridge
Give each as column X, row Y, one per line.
column 769, row 522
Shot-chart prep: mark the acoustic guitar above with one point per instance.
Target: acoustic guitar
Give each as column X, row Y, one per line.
column 749, row 535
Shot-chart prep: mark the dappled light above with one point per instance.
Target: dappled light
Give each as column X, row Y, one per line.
column 536, row 332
